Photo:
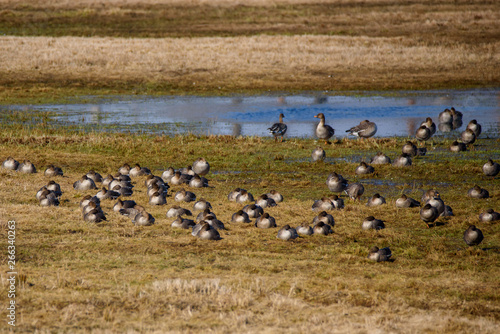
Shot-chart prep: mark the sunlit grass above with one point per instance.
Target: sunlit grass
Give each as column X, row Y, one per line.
column 114, row 276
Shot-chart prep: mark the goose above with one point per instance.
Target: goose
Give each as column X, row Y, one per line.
column 323, row 131
column 278, row 129
column 364, row 129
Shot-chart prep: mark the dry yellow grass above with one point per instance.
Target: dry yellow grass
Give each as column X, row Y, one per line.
column 277, row 62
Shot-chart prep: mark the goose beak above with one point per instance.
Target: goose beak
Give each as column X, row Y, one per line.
column 316, row 116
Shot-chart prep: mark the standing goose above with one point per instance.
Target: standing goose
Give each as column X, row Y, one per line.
column 429, row 214
column 475, row 127
column 468, row 136
column 278, row 129
column 428, row 123
column 355, row 190
column 323, row 131
column 365, row 129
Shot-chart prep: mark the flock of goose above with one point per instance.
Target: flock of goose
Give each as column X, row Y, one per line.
column 207, row 226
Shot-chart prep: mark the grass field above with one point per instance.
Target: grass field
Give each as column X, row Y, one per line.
column 65, row 48
column 114, row 277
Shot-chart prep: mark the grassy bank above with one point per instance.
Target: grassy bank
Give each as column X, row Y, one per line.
column 170, row 47
column 113, row 276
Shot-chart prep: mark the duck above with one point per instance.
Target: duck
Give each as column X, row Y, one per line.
column 423, row 133
column 52, row 171
column 275, row 195
column 265, row 221
column 96, row 177
column 214, row 222
column 410, row 149
column 473, row 236
column 167, row 174
column 475, row 127
column 445, row 116
column 201, row 205
column 176, row 210
column 91, row 206
column 458, row 147
column 323, row 131
column 120, row 204
column 183, row 223
column 325, row 218
column 380, row 159
column 376, row 200
column 371, row 223
column 379, row 255
column 287, row 233
column 489, row 215
column 431, row 193
column 253, row 210
column 428, row 123
column 263, row 201
column 478, row 192
column 491, row 168
column 240, row 217
column 364, row 169
column 318, row 154
column 26, row 167
column 139, row 171
column 55, row 188
column 355, row 190
column 87, row 199
column 322, row 204
column 198, row 182
column 322, row 228
column 428, row 214
column 48, row 198
column 10, row 163
column 125, row 169
column 437, row 202
column 278, row 129
column 142, row 218
column 123, row 191
column 456, row 118
column 94, row 216
column 204, row 214
column 406, row 202
column 107, row 180
column 336, row 183
column 107, row 194
column 153, row 179
column 337, row 202
column 207, row 232
column 233, row 194
column 184, row 196
column 178, row 178
column 244, row 196
column 201, row 166
column 157, row 198
column 403, row 160
column 468, row 137
column 84, row 184
column 364, row 129
column 304, row 229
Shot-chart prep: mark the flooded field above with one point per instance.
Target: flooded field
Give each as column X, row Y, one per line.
column 395, row 113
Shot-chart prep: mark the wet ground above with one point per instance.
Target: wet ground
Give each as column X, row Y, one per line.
column 395, row 113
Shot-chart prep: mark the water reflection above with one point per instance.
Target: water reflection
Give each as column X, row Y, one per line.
column 395, row 113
